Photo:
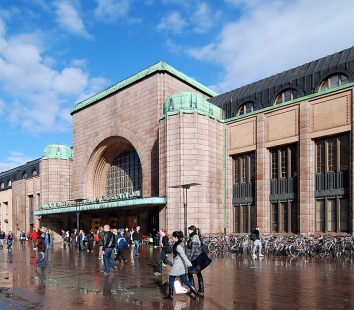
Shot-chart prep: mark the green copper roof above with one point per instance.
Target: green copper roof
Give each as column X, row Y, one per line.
column 160, row 66
column 58, row 151
column 190, row 102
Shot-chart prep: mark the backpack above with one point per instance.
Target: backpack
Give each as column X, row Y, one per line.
column 168, row 249
column 253, row 237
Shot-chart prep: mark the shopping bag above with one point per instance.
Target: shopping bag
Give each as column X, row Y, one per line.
column 179, row 288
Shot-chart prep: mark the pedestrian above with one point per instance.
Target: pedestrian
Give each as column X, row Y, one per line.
column 22, row 237
column 63, row 234
column 34, row 238
column 100, row 242
column 51, row 239
column 136, row 240
column 47, row 239
column 256, row 243
column 2, row 238
column 156, row 239
column 194, row 245
column 180, row 266
column 9, row 240
column 120, row 244
column 164, row 243
column 107, row 248
column 90, row 237
column 41, row 246
column 127, row 235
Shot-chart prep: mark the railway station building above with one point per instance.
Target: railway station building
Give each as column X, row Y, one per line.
column 158, row 149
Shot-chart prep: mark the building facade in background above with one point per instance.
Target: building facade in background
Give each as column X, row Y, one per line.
column 276, row 154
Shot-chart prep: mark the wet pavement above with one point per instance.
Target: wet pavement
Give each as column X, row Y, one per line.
column 75, row 280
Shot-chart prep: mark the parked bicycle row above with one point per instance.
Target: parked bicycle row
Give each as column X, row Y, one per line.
column 311, row 246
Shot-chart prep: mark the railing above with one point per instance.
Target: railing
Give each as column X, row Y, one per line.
column 243, row 193
column 283, row 188
column 331, row 183
column 92, row 200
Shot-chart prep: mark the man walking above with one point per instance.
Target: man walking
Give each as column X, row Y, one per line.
column 136, row 240
column 107, row 248
column 121, row 243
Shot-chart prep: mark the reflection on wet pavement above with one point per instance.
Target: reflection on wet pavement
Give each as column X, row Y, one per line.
column 73, row 279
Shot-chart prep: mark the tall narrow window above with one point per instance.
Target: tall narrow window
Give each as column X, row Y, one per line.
column 320, row 168
column 244, row 168
column 344, row 152
column 274, row 154
column 284, row 162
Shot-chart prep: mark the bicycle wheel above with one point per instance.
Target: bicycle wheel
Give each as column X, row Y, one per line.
column 212, row 247
column 322, row 252
column 294, row 252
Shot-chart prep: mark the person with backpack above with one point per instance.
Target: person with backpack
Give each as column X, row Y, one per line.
column 256, row 243
column 121, row 243
column 165, row 250
column 2, row 238
column 41, row 247
column 22, row 237
column 10, row 237
column 194, row 245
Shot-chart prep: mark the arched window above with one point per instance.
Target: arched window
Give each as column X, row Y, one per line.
column 333, row 81
column 9, row 183
column 247, row 107
column 124, row 174
column 24, row 175
column 34, row 172
column 286, row 95
column 2, row 185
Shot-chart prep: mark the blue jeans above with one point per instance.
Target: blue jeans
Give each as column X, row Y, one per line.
column 107, row 259
column 9, row 244
column 257, row 243
column 163, row 258
column 136, row 247
column 183, row 278
column 40, row 259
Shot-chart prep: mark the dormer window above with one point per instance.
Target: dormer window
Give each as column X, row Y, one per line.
column 247, row 107
column 286, row 95
column 333, row 81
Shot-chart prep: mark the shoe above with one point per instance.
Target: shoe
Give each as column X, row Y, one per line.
column 106, row 273
column 194, row 291
column 157, row 273
column 115, row 267
column 170, row 294
column 88, row 250
column 137, row 254
column 254, row 255
column 125, row 261
column 261, row 255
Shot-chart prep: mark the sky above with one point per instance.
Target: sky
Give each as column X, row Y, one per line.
column 54, row 54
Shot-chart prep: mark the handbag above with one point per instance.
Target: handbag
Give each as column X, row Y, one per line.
column 201, row 262
column 203, row 247
column 179, row 288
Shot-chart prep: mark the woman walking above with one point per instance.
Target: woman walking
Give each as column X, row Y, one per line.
column 180, row 266
column 194, row 245
column 163, row 254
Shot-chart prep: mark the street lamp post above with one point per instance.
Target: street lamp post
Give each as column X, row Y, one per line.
column 77, row 203
column 185, row 188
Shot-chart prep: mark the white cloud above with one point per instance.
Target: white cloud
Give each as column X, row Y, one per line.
column 109, row 11
column 172, row 22
column 274, row 36
column 14, row 160
column 68, row 18
column 204, row 18
column 39, row 97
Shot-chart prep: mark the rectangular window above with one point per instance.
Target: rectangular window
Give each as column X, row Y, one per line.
column 284, row 216
column 320, row 156
column 274, row 155
column 274, row 217
column 244, row 168
column 320, row 212
column 344, row 152
column 284, row 162
column 331, row 147
column 331, row 214
column 293, row 167
column 294, row 217
column 344, row 215
column 244, row 218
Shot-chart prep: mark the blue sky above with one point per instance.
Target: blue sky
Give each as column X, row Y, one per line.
column 54, row 54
